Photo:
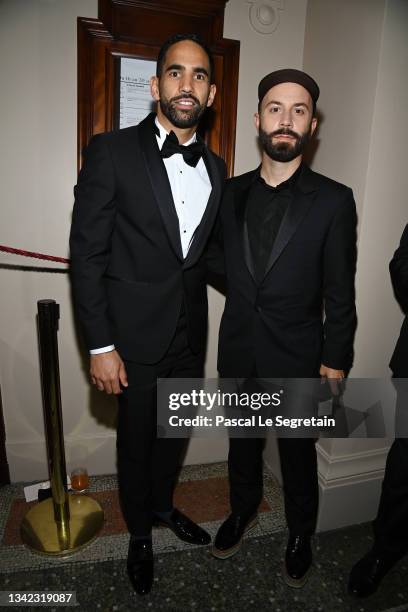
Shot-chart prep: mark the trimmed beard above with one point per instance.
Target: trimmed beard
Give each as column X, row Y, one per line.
column 283, row 151
column 182, row 118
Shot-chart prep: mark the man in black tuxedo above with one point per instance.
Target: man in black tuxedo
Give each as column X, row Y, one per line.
column 145, row 203
column 391, row 523
column 289, row 239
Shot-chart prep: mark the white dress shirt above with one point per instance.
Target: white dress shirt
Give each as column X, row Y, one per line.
column 191, row 188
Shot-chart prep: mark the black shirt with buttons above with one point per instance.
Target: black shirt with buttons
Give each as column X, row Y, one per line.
column 265, row 210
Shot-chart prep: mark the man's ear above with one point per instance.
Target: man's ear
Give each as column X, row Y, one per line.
column 211, row 95
column 256, row 121
column 313, row 125
column 154, row 88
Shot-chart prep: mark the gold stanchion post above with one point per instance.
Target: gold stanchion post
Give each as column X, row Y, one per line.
column 64, row 524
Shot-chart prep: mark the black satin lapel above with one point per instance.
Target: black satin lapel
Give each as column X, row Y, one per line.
column 296, row 211
column 241, row 200
column 160, row 185
column 204, row 228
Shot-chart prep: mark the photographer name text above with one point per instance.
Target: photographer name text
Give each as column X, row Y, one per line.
column 255, row 420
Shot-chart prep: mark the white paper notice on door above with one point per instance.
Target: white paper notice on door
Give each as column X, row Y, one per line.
column 136, row 101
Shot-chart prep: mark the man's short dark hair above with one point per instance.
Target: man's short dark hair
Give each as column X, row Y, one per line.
column 161, row 58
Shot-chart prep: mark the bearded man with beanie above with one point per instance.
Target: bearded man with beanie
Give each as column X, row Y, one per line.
column 289, row 241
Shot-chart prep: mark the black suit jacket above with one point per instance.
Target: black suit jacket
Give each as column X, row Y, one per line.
column 128, row 272
column 399, row 277
column 277, row 324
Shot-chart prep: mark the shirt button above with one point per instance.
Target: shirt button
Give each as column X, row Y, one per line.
column 181, row 172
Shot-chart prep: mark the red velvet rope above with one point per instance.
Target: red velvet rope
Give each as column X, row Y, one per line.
column 7, row 249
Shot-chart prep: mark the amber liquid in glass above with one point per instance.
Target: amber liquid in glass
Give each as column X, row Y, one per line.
column 79, row 482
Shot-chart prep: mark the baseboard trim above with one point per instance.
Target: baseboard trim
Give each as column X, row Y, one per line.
column 96, row 452
column 349, row 487
column 354, row 466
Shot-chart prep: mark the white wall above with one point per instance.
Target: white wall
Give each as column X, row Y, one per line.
column 38, row 150
column 359, row 52
column 349, row 46
column 385, row 205
column 38, row 170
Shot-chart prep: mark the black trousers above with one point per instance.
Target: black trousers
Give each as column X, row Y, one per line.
column 391, row 523
column 299, row 473
column 147, row 465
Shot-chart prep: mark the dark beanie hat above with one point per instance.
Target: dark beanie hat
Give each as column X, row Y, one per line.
column 288, row 75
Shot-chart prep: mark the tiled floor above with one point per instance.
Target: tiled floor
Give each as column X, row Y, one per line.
column 188, row 578
column 202, row 494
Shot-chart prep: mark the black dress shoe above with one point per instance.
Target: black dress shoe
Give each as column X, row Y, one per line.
column 298, row 561
column 229, row 537
column 140, row 565
column 184, row 528
column 367, row 574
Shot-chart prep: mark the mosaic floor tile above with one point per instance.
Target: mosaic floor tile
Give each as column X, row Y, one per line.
column 192, row 580
column 202, row 493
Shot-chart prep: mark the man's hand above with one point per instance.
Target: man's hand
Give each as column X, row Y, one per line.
column 332, row 376
column 108, row 372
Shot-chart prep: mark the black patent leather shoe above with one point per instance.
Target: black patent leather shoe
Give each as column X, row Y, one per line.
column 366, row 575
column 298, row 561
column 229, row 537
column 184, row 528
column 140, row 565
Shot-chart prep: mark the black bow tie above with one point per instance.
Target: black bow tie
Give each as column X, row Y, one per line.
column 191, row 153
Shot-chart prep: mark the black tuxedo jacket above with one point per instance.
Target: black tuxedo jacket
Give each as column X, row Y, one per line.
column 302, row 313
column 128, row 272
column 399, row 277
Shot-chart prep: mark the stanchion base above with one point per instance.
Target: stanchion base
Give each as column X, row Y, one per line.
column 40, row 532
